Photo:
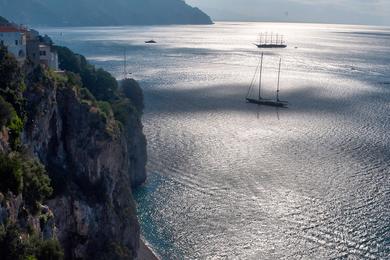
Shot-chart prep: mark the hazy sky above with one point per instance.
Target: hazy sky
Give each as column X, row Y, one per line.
column 324, row 11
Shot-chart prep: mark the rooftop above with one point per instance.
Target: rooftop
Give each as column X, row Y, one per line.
column 12, row 29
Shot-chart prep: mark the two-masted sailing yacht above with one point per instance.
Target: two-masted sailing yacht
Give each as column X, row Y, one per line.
column 260, row 100
column 271, row 41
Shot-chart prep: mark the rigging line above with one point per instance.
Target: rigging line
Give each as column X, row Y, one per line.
column 253, row 80
column 252, row 83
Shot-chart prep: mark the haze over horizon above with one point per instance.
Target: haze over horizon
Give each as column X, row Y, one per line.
column 374, row 12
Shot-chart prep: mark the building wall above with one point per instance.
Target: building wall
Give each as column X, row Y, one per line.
column 33, row 51
column 48, row 57
column 15, row 43
column 33, row 47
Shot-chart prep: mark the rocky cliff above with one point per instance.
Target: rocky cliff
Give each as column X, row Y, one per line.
column 93, row 161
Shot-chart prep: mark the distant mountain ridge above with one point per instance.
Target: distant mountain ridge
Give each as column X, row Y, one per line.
column 101, row 12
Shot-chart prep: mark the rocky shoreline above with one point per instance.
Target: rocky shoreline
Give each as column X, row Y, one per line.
column 146, row 252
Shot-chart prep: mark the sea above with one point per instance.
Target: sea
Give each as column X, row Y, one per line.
column 233, row 180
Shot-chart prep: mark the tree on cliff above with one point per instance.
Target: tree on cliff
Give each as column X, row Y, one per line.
column 11, row 94
column 98, row 81
column 3, row 21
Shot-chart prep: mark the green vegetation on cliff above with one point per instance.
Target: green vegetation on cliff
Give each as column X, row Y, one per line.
column 11, row 96
column 15, row 245
column 101, row 88
column 85, row 129
column 20, row 175
column 98, row 81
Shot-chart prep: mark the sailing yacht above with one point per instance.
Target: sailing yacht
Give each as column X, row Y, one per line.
column 271, row 42
column 260, row 100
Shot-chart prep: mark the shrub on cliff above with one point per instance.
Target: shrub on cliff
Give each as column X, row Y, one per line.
column 9, row 118
column 11, row 175
column 11, row 96
column 11, row 81
column 47, row 250
column 101, row 83
column 105, row 109
column 15, row 127
column 36, row 184
column 20, row 175
column 130, row 103
column 132, row 90
column 11, row 246
column 15, row 246
column 98, row 81
column 123, row 109
column 6, row 112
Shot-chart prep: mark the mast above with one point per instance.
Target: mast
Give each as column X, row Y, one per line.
column 261, row 72
column 278, row 86
column 124, row 64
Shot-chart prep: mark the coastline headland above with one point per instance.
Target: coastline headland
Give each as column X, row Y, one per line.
column 73, row 135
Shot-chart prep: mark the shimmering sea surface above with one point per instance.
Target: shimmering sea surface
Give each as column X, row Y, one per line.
column 231, row 180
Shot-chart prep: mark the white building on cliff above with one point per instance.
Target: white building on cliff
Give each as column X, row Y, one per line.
column 14, row 39
column 28, row 45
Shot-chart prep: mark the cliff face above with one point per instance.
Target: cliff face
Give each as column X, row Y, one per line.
column 101, row 12
column 13, row 210
column 93, row 163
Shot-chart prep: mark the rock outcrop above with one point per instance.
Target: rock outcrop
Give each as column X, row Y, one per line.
column 92, row 162
column 12, row 210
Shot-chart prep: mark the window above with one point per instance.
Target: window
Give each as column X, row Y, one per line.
column 2, row 42
column 16, row 42
column 42, row 53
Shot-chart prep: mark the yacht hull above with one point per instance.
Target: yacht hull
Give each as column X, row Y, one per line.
column 271, row 46
column 267, row 102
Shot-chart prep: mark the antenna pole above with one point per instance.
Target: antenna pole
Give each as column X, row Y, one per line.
column 278, row 86
column 261, row 72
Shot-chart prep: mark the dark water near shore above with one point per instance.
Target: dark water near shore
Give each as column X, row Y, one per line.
column 231, row 180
